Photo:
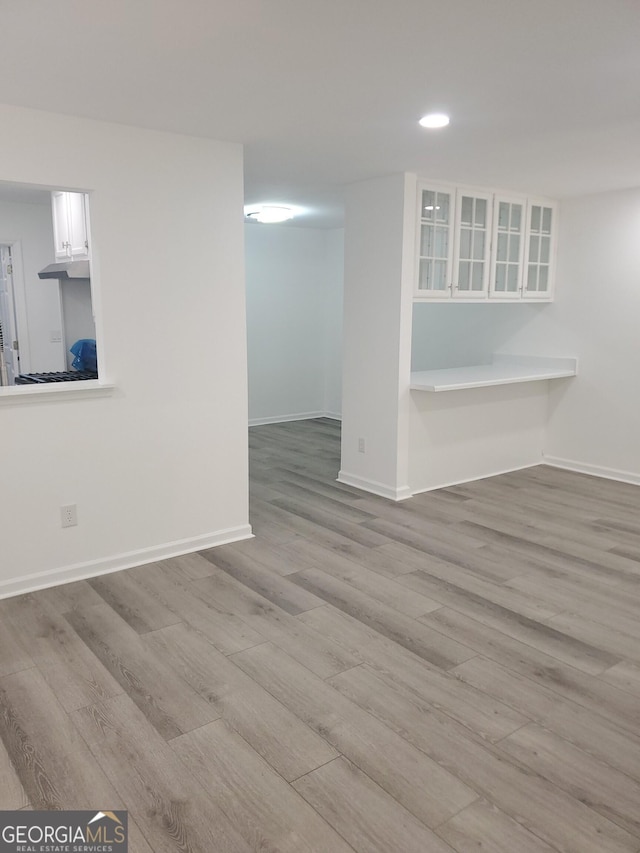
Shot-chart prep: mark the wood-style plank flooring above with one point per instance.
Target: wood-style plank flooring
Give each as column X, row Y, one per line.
column 459, row 672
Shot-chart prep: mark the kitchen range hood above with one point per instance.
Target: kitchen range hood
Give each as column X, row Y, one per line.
column 66, row 270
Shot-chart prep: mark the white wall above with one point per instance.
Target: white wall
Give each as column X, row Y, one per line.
column 465, row 435
column 39, row 310
column 334, row 311
column 294, row 321
column 161, row 465
column 455, row 335
column 594, row 419
column 379, row 263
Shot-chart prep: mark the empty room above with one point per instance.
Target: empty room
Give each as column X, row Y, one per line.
column 319, row 504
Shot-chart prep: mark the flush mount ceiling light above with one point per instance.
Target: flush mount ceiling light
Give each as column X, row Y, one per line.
column 268, row 213
column 434, row 120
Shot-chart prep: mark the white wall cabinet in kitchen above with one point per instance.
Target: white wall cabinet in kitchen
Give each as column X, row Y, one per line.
column 540, row 249
column 508, row 241
column 70, row 231
column 471, row 259
column 435, row 240
column 476, row 245
column 454, row 241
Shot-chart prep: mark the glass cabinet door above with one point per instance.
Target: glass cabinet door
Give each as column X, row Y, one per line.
column 541, row 226
column 471, row 261
column 435, row 243
column 480, row 245
column 509, row 219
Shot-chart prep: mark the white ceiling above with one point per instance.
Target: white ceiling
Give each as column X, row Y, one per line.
column 544, row 95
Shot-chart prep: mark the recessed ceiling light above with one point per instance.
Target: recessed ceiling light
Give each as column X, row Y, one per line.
column 268, row 213
column 433, row 120
column 432, row 207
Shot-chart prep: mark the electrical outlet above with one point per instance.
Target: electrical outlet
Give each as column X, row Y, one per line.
column 69, row 515
column 361, row 445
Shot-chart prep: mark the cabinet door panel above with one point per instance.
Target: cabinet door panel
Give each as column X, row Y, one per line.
column 535, row 218
column 435, row 210
column 464, row 275
column 540, row 249
column 480, row 213
column 441, row 249
column 466, row 210
column 439, row 275
column 477, row 278
column 61, row 227
column 466, row 238
column 514, row 250
column 545, row 244
column 502, row 253
column 472, row 244
column 426, row 275
column 70, row 232
column 479, row 245
column 508, row 241
column 78, row 225
column 543, row 279
column 426, row 241
column 513, row 279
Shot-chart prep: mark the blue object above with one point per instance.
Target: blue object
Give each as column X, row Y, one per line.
column 84, row 351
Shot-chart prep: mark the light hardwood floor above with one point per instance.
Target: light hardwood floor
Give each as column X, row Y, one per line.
column 460, row 672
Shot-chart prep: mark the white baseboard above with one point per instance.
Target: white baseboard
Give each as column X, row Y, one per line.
column 475, row 479
column 94, row 568
column 300, row 416
column 384, row 491
column 281, row 419
column 594, row 470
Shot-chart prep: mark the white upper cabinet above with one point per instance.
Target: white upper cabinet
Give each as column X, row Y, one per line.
column 540, row 249
column 78, row 231
column 479, row 245
column 508, row 239
column 70, row 231
column 472, row 246
column 435, row 240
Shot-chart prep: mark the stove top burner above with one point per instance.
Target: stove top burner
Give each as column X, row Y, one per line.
column 59, row 376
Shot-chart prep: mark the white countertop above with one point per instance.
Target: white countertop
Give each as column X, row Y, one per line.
column 503, row 370
column 54, row 391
